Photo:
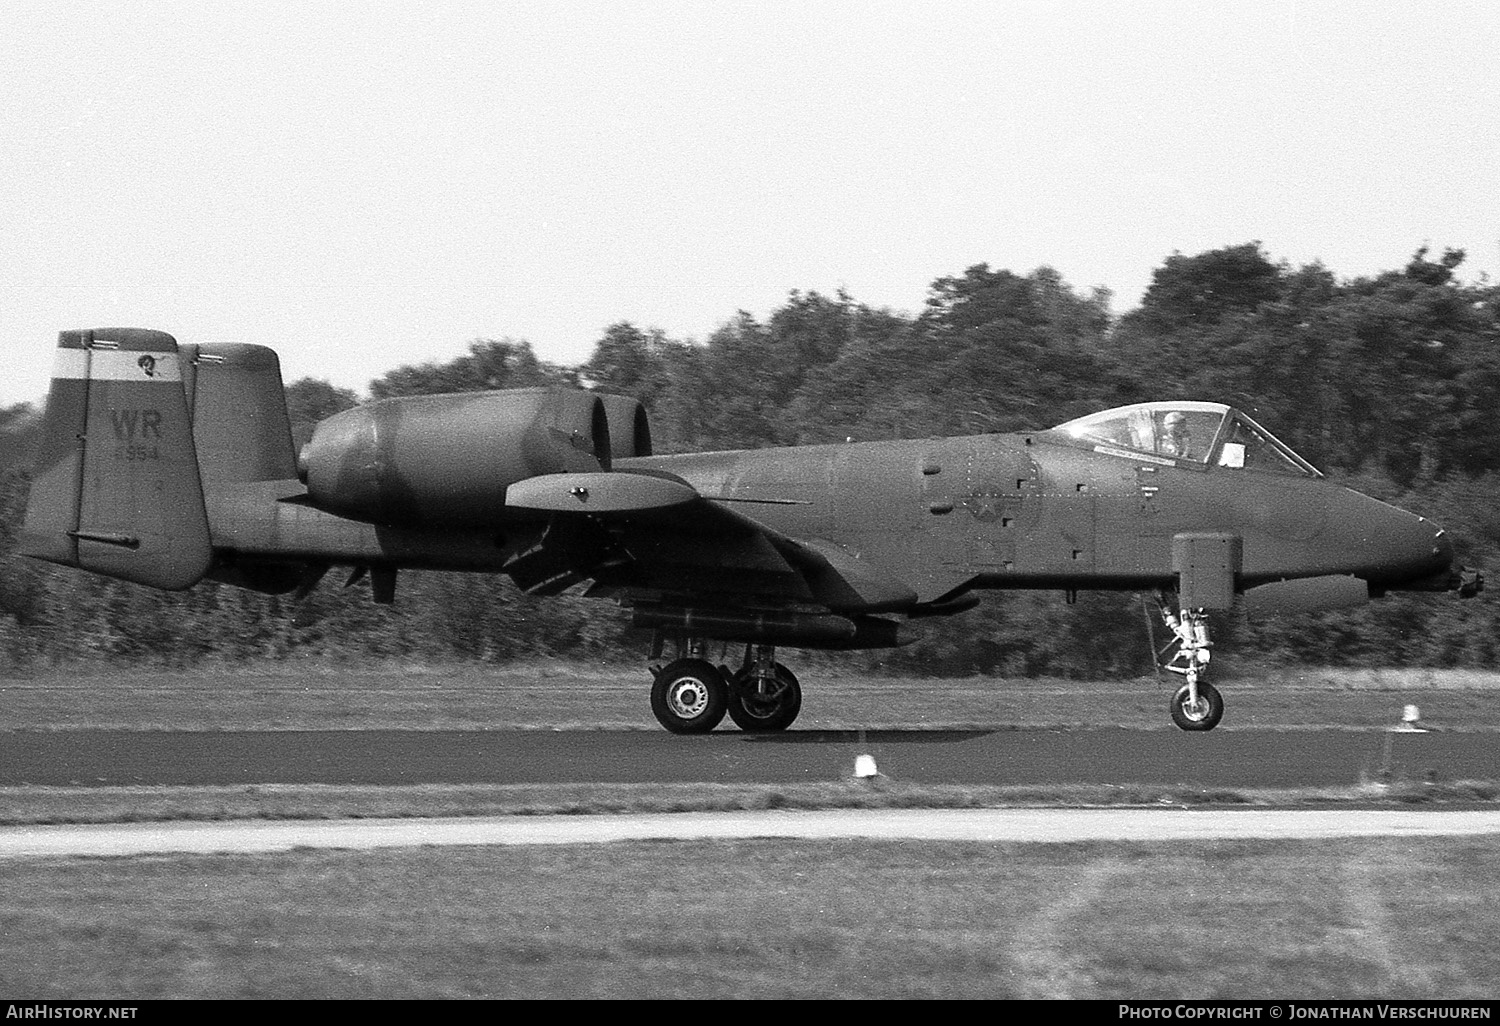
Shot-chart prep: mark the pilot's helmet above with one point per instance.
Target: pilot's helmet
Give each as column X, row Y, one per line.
column 1175, row 421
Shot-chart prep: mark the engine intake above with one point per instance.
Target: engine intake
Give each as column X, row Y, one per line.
column 448, row 459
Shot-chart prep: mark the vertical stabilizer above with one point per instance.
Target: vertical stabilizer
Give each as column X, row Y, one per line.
column 240, row 427
column 115, row 486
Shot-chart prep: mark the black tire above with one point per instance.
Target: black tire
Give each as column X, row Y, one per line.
column 1206, row 716
column 755, row 713
column 689, row 696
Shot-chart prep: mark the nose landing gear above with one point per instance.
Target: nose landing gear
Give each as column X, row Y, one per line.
column 1197, row 705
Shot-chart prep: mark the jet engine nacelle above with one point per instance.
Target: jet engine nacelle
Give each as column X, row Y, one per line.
column 448, row 459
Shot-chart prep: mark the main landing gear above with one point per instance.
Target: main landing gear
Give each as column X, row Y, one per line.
column 1197, row 705
column 691, row 695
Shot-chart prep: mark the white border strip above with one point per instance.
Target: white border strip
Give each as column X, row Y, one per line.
column 988, row 825
column 116, row 365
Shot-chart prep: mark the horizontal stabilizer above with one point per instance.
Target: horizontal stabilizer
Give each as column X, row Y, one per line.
column 600, row 492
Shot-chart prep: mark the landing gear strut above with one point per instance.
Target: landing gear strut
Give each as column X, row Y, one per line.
column 690, row 695
column 1197, row 705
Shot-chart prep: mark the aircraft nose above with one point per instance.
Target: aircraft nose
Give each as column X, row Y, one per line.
column 1441, row 553
column 1406, row 550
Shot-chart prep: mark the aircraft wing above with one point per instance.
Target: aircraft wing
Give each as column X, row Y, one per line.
column 653, row 534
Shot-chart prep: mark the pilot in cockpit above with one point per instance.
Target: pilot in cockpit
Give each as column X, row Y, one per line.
column 1174, row 438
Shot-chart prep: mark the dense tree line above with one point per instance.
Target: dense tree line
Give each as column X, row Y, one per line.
column 1389, row 383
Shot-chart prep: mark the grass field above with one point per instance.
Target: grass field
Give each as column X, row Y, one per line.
column 760, row 919
column 1400, row 918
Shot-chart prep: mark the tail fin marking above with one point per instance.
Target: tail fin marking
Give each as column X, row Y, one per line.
column 116, row 488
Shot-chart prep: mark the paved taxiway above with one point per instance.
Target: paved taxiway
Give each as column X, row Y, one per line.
column 992, row 825
column 1220, row 758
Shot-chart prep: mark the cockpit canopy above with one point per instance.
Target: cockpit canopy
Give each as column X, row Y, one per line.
column 1187, row 433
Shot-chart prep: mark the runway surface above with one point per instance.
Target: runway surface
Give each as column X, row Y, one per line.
column 991, row 825
column 1221, row 758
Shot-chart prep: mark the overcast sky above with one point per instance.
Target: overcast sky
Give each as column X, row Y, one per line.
column 365, row 184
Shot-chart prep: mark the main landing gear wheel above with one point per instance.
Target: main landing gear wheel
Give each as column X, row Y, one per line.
column 689, row 696
column 1201, row 715
column 764, row 707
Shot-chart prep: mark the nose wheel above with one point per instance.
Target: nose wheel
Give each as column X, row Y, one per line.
column 1200, row 712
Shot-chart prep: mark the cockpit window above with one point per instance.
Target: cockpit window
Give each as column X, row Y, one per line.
column 1187, row 432
column 1184, row 431
column 1247, row 444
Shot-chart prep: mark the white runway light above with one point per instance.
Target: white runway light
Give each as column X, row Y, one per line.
column 1411, row 721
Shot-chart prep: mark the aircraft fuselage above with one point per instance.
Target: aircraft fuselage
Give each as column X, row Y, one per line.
column 1029, row 511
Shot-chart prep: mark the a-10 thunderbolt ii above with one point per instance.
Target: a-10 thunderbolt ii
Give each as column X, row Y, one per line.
column 167, row 464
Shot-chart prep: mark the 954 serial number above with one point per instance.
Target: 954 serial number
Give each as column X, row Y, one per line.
column 137, row 452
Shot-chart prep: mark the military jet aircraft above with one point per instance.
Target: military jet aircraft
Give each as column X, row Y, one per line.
column 166, row 464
